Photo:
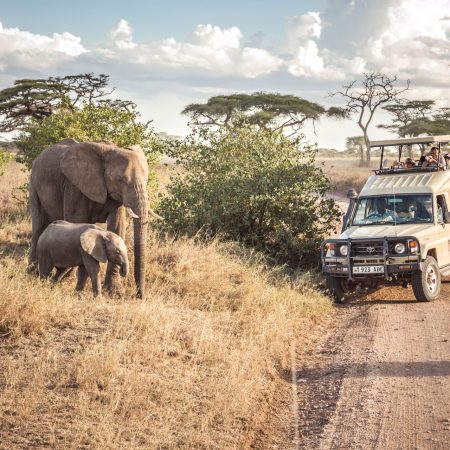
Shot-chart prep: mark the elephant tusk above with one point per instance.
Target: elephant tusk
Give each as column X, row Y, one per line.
column 132, row 213
column 154, row 215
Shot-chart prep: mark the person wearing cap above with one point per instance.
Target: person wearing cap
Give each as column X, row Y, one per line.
column 447, row 160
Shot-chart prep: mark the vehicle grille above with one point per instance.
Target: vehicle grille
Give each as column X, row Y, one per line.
column 367, row 248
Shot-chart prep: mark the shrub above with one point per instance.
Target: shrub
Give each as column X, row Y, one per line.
column 255, row 186
column 5, row 157
column 90, row 123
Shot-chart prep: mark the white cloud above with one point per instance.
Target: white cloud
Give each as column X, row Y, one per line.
column 419, row 49
column 121, row 36
column 306, row 61
column 303, row 28
column 34, row 51
column 404, row 37
column 301, row 43
column 214, row 37
column 210, row 50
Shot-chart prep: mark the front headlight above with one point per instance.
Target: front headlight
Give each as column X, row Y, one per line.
column 400, row 248
column 343, row 250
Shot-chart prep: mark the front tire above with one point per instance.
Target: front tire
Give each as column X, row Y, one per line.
column 336, row 287
column 426, row 283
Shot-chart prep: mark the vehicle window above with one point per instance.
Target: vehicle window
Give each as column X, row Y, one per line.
column 442, row 208
column 394, row 209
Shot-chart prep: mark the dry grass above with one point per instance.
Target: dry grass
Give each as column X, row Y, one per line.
column 188, row 367
column 345, row 173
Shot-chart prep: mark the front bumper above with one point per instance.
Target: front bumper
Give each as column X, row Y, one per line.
column 394, row 266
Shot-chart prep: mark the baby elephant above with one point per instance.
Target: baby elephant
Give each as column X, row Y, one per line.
column 64, row 244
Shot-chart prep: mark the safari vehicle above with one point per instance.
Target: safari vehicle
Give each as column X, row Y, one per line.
column 397, row 230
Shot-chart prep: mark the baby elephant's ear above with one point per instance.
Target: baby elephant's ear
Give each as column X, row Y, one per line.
column 93, row 243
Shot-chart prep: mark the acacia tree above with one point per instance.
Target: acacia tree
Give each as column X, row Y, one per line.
column 264, row 109
column 437, row 123
column 418, row 117
column 362, row 100
column 36, row 99
column 403, row 113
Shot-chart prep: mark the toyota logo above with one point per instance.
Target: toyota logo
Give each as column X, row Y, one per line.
column 370, row 249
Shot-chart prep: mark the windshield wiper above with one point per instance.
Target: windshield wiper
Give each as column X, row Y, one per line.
column 417, row 221
column 373, row 223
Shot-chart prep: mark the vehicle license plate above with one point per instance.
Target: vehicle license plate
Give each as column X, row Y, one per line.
column 368, row 269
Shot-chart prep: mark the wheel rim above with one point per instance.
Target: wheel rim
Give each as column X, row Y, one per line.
column 431, row 280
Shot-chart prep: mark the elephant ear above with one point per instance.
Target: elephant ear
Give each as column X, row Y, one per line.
column 93, row 243
column 82, row 164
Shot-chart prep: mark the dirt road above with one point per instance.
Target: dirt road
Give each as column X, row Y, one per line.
column 379, row 379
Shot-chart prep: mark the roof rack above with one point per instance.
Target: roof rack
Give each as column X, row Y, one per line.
column 444, row 139
column 400, row 142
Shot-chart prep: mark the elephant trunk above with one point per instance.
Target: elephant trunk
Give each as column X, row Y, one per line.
column 124, row 269
column 140, row 241
column 136, row 203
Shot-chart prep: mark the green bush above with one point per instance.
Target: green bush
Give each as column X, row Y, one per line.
column 255, row 186
column 90, row 123
column 5, row 157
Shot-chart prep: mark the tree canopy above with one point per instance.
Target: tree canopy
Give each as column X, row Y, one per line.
column 264, row 109
column 417, row 117
column 90, row 123
column 36, row 99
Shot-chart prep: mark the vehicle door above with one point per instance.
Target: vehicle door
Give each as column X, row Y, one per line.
column 442, row 206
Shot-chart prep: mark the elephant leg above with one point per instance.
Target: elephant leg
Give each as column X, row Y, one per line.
column 45, row 269
column 61, row 274
column 39, row 223
column 96, row 282
column 81, row 278
column 116, row 223
column 92, row 267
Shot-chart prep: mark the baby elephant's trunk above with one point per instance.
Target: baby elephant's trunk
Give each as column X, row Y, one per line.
column 124, row 269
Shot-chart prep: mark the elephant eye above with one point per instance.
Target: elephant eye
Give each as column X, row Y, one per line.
column 118, row 252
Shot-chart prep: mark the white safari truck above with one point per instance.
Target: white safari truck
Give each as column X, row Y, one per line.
column 397, row 229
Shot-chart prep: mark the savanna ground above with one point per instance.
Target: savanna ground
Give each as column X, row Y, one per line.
column 194, row 365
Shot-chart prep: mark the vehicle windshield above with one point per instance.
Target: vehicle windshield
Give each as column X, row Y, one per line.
column 394, row 209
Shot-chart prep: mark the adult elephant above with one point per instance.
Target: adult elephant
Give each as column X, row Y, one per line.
column 91, row 182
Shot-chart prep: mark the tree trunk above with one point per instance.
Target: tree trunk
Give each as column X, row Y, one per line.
column 361, row 155
column 368, row 150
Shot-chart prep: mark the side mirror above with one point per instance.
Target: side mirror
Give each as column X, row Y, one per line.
column 447, row 217
column 352, row 197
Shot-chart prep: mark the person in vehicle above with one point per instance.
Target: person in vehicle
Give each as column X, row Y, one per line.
column 434, row 158
column 447, row 160
column 407, row 164
column 409, row 209
column 382, row 212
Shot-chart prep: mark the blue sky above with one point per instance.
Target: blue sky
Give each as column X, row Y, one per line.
column 164, row 55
